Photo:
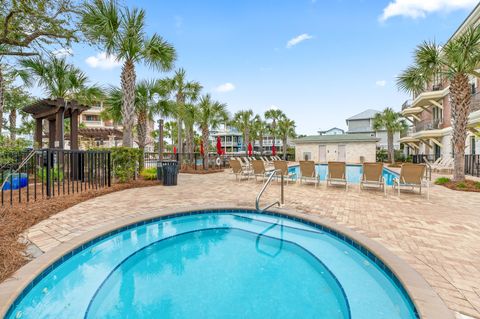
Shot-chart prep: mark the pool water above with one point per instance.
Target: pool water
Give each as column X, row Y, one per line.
column 354, row 173
column 222, row 264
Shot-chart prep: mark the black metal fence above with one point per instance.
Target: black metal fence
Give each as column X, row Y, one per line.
column 28, row 175
column 472, row 165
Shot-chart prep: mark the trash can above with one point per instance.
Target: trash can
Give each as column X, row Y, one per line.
column 168, row 172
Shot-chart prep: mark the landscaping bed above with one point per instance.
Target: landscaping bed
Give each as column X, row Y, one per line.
column 15, row 220
column 466, row 186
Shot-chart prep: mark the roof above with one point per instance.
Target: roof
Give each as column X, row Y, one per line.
column 367, row 114
column 337, row 138
column 47, row 108
column 331, row 129
column 471, row 20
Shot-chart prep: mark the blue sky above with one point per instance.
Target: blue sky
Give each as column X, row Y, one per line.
column 347, row 62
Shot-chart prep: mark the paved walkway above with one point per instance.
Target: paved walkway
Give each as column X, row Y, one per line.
column 439, row 238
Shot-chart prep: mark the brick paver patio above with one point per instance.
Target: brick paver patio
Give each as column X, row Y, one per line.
column 439, row 238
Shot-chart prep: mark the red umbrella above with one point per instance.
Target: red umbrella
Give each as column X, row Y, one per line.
column 219, row 146
column 174, row 150
column 274, row 150
column 250, row 149
column 201, row 149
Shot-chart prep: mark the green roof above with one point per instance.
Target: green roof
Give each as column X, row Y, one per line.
column 337, row 138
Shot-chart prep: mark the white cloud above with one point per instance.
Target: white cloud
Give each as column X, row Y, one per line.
column 103, row 61
column 225, row 87
column 420, row 8
column 381, row 83
column 272, row 107
column 299, row 38
column 60, row 53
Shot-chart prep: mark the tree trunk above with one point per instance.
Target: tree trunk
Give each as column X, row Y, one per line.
column 128, row 78
column 180, row 105
column 261, row 144
column 247, row 139
column 284, row 142
column 142, row 136
column 391, row 151
column 461, row 106
column 205, row 134
column 274, row 127
column 12, row 117
column 160, row 139
column 1, row 99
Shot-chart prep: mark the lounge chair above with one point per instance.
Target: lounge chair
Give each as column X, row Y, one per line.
column 239, row 171
column 372, row 176
column 412, row 176
column 282, row 168
column 259, row 169
column 337, row 174
column 444, row 166
column 308, row 173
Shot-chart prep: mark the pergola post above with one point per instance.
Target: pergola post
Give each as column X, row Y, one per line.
column 74, row 131
column 38, row 133
column 51, row 133
column 59, row 129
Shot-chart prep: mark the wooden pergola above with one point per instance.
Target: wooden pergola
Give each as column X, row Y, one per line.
column 55, row 111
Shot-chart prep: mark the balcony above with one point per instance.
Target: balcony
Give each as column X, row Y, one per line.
column 406, row 104
column 475, row 102
column 427, row 125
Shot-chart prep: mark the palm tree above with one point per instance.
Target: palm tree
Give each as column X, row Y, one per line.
column 121, row 32
column 15, row 99
column 286, row 130
column 184, row 92
column 189, row 119
column 455, row 61
column 391, row 121
column 210, row 114
column 275, row 115
column 259, row 129
column 171, row 131
column 242, row 120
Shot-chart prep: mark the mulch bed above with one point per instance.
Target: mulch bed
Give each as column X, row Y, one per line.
column 15, row 220
column 466, row 186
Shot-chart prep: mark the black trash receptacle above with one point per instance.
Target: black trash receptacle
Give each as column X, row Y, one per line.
column 169, row 172
column 159, row 170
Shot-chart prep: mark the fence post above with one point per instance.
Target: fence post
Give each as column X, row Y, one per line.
column 109, row 169
column 195, row 160
column 48, row 175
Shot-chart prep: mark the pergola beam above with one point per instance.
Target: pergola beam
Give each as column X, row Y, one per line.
column 440, row 106
column 434, row 140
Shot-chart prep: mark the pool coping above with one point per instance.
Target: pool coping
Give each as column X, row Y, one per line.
column 428, row 304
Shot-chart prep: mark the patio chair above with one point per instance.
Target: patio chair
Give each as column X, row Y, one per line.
column 282, row 168
column 337, row 174
column 372, row 176
column 308, row 173
column 412, row 176
column 259, row 170
column 239, row 171
column 445, row 166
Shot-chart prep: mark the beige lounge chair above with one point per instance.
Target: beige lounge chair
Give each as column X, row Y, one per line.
column 372, row 176
column 445, row 166
column 259, row 169
column 308, row 173
column 412, row 176
column 337, row 174
column 239, row 170
column 282, row 168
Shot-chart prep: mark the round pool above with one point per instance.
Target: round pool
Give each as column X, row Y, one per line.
column 217, row 264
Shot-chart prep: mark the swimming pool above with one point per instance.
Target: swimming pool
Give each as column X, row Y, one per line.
column 354, row 173
column 218, row 264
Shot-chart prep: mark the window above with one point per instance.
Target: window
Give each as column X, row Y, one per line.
column 472, row 146
column 91, row 118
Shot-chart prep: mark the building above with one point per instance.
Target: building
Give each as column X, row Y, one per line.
column 430, row 114
column 350, row 148
column 362, row 123
column 332, row 131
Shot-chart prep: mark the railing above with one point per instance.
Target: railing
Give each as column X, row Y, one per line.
column 406, row 104
column 267, row 183
column 28, row 176
column 428, row 125
column 475, row 102
column 427, row 159
column 472, row 165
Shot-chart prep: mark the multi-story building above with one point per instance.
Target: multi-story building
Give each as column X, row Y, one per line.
column 362, row 123
column 332, row 131
column 430, row 114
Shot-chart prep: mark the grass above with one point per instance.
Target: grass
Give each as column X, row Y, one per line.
column 149, row 173
column 442, row 180
column 461, row 185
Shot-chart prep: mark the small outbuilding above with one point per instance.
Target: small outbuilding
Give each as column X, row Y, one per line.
column 350, row 148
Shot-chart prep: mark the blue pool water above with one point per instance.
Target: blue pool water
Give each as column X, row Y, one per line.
column 223, row 264
column 354, row 173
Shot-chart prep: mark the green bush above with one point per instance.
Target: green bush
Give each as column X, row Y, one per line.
column 461, row 185
column 477, row 185
column 124, row 162
column 382, row 155
column 442, row 180
column 149, row 173
column 55, row 174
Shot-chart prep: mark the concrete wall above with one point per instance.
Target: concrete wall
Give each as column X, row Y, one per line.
column 353, row 151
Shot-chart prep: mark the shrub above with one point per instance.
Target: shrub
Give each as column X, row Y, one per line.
column 55, row 174
column 382, row 155
column 124, row 162
column 461, row 185
column 477, row 185
column 442, row 180
column 149, row 173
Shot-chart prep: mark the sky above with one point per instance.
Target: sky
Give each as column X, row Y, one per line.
column 320, row 61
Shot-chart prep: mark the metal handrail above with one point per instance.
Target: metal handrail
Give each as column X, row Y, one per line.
column 25, row 161
column 268, row 182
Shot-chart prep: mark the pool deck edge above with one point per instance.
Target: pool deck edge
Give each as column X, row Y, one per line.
column 428, row 304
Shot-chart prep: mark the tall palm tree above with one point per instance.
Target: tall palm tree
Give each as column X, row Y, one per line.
column 393, row 122
column 210, row 114
column 171, row 131
column 242, row 120
column 275, row 115
column 189, row 119
column 59, row 79
column 121, row 33
column 15, row 99
column 183, row 92
column 286, row 130
column 259, row 130
column 455, row 62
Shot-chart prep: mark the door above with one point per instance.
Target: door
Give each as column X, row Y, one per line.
column 341, row 153
column 322, row 153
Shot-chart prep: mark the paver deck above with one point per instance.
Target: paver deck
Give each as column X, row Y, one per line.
column 440, row 238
